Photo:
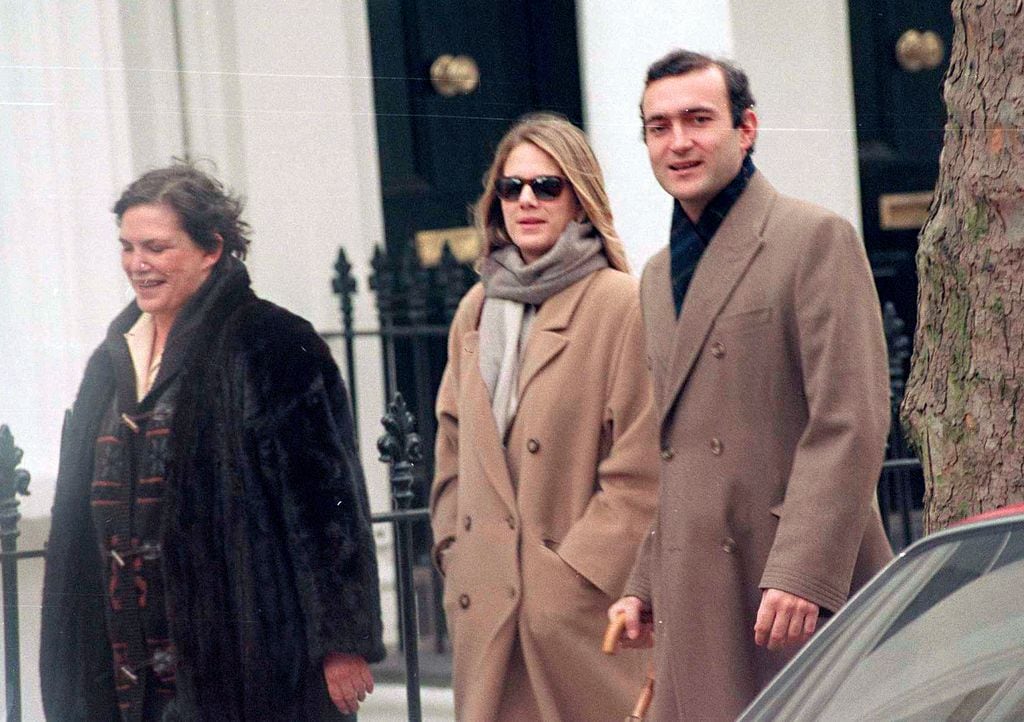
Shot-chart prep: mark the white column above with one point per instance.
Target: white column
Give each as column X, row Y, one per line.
column 618, row 41
column 64, row 136
column 802, row 79
column 150, row 78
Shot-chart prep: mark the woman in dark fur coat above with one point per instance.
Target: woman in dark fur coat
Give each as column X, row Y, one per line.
column 211, row 556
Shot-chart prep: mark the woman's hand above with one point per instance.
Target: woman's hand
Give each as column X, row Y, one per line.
column 348, row 679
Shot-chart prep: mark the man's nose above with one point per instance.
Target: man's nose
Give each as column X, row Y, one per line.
column 681, row 139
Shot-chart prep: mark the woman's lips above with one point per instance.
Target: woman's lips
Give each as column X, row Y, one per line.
column 148, row 284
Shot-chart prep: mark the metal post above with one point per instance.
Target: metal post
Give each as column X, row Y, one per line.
column 400, row 448
column 344, row 285
column 382, row 281
column 13, row 481
column 898, row 346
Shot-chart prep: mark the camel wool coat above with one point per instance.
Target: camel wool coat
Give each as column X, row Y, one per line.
column 773, row 404
column 538, row 537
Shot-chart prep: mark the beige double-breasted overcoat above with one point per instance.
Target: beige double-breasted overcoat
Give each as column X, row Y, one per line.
column 773, row 405
column 539, row 535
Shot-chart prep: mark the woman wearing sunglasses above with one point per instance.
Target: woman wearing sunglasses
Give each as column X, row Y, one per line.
column 546, row 463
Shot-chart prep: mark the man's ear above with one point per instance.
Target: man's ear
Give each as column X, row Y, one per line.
column 748, row 129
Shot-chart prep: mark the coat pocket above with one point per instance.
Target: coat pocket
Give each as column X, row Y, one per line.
column 745, row 319
column 581, row 579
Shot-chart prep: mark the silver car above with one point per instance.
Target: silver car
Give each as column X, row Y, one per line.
column 937, row 635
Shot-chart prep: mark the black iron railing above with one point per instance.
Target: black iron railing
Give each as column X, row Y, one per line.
column 13, row 482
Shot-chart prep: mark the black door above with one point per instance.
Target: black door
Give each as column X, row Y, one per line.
column 900, row 52
column 434, row 147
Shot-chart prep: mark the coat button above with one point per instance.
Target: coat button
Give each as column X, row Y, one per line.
column 467, row 522
column 511, row 521
column 717, row 349
column 464, row 601
column 728, row 545
column 533, row 446
column 667, row 453
column 716, row 446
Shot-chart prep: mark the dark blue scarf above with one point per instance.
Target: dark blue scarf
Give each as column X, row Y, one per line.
column 688, row 240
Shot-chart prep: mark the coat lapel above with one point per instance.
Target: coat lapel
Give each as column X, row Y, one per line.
column 547, row 340
column 723, row 265
column 487, row 446
column 659, row 308
column 545, row 343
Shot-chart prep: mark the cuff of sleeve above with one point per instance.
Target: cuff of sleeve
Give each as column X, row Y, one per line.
column 817, row 591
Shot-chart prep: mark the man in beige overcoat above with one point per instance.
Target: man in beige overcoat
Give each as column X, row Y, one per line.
column 766, row 349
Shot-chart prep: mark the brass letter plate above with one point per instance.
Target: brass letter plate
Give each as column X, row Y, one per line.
column 903, row 211
column 463, row 241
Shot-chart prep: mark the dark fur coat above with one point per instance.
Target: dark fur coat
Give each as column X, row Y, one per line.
column 269, row 558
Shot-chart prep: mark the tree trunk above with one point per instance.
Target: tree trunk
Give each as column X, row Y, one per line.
column 963, row 398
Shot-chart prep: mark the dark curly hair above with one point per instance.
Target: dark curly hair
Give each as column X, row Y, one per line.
column 205, row 208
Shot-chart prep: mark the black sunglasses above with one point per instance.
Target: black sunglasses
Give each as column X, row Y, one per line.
column 544, row 187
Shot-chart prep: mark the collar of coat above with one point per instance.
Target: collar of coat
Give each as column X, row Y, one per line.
column 738, row 241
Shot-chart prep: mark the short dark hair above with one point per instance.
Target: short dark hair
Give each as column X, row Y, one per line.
column 683, row 62
column 205, row 208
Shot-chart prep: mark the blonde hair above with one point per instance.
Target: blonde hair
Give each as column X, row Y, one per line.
column 568, row 147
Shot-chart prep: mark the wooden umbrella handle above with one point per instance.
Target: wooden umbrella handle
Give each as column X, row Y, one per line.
column 643, row 702
column 612, row 634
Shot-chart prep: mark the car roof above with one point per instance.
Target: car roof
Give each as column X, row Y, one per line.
column 993, row 514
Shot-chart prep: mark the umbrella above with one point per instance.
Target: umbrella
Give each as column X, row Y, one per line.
column 609, row 646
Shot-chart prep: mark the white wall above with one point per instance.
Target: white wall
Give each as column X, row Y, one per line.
column 802, row 79
column 65, row 139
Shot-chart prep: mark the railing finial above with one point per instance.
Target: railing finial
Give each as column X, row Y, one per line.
column 13, row 481
column 401, row 443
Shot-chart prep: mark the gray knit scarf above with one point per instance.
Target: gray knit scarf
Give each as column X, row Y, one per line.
column 513, row 289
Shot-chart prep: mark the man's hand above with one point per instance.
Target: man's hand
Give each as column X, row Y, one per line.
column 349, row 680
column 784, row 619
column 639, row 631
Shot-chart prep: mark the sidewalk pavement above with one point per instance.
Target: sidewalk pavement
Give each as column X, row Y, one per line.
column 388, row 704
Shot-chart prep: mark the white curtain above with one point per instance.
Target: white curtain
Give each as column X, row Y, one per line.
column 66, row 154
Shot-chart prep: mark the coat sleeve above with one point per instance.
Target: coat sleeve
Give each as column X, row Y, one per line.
column 639, row 582
column 601, row 545
column 310, row 451
column 838, row 457
column 444, row 490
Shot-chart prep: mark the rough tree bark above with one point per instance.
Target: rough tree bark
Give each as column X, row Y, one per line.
column 963, row 405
